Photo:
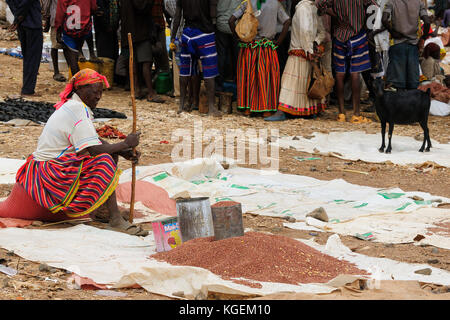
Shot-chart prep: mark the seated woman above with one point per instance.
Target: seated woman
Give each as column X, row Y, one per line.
column 307, row 34
column 430, row 61
column 73, row 171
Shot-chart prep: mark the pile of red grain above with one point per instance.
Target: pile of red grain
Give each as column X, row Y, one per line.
column 261, row 257
column 224, row 204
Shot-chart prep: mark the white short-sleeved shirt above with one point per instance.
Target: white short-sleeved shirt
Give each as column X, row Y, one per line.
column 69, row 129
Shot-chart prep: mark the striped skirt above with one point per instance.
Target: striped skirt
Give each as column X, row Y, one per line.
column 75, row 185
column 258, row 77
column 294, row 89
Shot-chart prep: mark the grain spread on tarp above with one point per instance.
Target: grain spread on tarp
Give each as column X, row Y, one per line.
column 260, row 257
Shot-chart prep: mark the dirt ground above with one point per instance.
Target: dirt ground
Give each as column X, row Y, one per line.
column 157, row 122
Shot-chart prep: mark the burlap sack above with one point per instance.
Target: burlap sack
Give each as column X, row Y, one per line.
column 247, row 27
column 321, row 83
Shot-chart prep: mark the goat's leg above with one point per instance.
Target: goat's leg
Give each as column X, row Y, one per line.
column 424, row 128
column 391, row 129
column 428, row 140
column 383, row 134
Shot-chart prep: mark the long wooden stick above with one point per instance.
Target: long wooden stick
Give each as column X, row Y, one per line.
column 133, row 101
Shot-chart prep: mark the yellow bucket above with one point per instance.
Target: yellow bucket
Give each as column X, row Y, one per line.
column 107, row 69
column 84, row 65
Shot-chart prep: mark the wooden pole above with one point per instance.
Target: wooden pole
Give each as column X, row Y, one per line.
column 133, row 102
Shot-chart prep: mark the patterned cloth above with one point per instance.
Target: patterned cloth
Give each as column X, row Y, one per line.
column 197, row 45
column 81, row 78
column 353, row 55
column 307, row 28
column 75, row 185
column 258, row 76
column 294, row 88
column 351, row 16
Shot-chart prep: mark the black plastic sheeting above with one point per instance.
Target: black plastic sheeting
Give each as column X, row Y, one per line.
column 39, row 112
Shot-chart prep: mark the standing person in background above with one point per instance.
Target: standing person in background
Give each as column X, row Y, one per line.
column 283, row 49
column 171, row 7
column 160, row 55
column 48, row 15
column 136, row 19
column 400, row 18
column 28, row 23
column 305, row 50
column 106, row 23
column 73, row 22
column 227, row 43
column 258, row 74
column 198, row 43
column 327, row 42
column 350, row 49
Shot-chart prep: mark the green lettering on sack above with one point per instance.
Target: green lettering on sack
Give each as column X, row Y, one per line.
column 391, row 195
column 403, row 206
column 160, row 177
column 238, row 186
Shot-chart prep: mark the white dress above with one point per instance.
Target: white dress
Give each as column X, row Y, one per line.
column 307, row 28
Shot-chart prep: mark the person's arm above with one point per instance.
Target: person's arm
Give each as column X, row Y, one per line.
column 426, row 21
column 386, row 22
column 61, row 9
column 20, row 14
column 176, row 21
column 46, row 14
column 326, row 7
column 23, row 11
column 283, row 18
column 213, row 10
column 283, row 33
column 131, row 141
column 235, row 16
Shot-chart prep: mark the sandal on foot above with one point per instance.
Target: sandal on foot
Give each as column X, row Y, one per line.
column 360, row 119
column 59, row 77
column 341, row 118
column 133, row 230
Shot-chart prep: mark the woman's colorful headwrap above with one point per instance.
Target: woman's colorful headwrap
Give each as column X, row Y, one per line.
column 81, row 78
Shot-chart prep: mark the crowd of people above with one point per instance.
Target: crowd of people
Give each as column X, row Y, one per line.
column 272, row 74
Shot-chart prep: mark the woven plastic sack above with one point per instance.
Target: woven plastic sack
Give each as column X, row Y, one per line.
column 247, row 27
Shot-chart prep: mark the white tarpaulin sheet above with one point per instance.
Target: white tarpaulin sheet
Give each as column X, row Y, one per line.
column 282, row 195
column 8, row 170
column 119, row 260
column 380, row 268
column 358, row 145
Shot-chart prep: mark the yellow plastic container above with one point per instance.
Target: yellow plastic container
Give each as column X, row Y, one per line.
column 84, row 65
column 105, row 68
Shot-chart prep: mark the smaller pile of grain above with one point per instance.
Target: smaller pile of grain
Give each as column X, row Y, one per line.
column 260, row 257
